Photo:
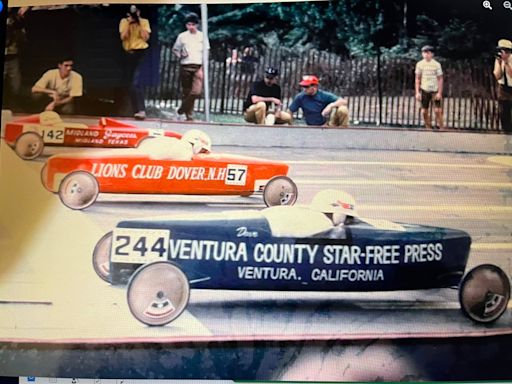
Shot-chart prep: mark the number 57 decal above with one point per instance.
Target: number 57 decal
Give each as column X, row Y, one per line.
column 236, row 174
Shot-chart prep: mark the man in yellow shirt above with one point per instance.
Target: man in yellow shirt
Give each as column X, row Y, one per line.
column 134, row 32
column 58, row 88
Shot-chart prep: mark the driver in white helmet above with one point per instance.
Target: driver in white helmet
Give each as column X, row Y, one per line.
column 191, row 143
column 201, row 142
column 338, row 206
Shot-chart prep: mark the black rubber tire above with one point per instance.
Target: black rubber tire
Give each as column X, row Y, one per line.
column 280, row 190
column 484, row 293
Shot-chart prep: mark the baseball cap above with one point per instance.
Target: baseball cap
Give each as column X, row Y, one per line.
column 271, row 72
column 309, row 80
column 427, row 48
column 505, row 44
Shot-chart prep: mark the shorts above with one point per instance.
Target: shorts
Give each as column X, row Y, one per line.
column 427, row 97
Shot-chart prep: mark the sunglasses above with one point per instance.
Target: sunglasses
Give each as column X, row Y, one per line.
column 307, row 86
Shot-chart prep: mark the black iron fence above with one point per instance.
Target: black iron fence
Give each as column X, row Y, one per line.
column 380, row 91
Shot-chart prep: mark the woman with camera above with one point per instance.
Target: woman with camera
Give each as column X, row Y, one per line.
column 134, row 32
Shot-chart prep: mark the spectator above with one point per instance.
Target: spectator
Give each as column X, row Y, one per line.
column 320, row 107
column 59, row 87
column 503, row 74
column 249, row 61
column 429, row 86
column 189, row 48
column 15, row 38
column 262, row 95
column 134, row 32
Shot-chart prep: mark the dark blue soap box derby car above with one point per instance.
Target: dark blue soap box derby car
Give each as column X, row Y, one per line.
column 286, row 248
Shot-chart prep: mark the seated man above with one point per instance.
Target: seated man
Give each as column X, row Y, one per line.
column 320, row 107
column 191, row 143
column 260, row 98
column 58, row 88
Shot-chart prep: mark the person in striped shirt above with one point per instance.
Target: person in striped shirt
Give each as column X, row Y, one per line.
column 429, row 86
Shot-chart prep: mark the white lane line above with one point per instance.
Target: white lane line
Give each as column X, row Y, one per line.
column 438, row 208
column 394, row 163
column 474, row 184
column 492, row 246
column 503, row 160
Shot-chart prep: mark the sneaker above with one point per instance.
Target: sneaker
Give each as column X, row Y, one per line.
column 141, row 115
column 178, row 114
column 270, row 119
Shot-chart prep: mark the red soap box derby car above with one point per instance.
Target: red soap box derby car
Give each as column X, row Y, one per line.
column 30, row 134
column 79, row 178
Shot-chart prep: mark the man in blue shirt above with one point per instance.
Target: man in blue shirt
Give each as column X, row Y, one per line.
column 320, row 107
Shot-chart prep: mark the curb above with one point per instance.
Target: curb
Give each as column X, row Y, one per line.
column 360, row 138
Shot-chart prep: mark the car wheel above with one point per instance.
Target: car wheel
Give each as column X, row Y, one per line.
column 101, row 257
column 158, row 293
column 484, row 293
column 44, row 175
column 78, row 190
column 29, row 146
column 280, row 190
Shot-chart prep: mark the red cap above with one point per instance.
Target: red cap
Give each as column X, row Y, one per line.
column 309, row 80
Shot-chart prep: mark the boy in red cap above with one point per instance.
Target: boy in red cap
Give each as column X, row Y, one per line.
column 320, row 107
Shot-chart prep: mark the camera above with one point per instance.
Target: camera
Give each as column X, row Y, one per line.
column 134, row 14
column 497, row 52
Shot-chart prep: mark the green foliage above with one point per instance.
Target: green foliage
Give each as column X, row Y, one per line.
column 352, row 28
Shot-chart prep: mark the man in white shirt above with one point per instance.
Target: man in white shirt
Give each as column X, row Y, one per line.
column 429, row 86
column 58, row 88
column 503, row 74
column 189, row 48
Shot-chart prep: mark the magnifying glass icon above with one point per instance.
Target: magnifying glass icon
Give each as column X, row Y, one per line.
column 487, row 4
column 507, row 5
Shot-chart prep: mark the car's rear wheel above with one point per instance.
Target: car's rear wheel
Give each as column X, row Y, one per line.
column 29, row 146
column 158, row 293
column 101, row 257
column 280, row 190
column 484, row 293
column 79, row 190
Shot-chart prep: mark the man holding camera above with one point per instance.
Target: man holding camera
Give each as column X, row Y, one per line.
column 134, row 32
column 189, row 49
column 503, row 74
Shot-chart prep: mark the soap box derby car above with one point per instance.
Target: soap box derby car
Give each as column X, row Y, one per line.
column 160, row 258
column 79, row 178
column 30, row 134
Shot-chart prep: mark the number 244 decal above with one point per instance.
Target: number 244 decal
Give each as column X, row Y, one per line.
column 139, row 246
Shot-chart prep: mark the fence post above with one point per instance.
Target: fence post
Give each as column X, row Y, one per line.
column 223, row 86
column 379, row 85
column 204, row 24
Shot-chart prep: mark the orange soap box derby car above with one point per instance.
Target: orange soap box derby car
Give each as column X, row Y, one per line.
column 79, row 178
column 29, row 135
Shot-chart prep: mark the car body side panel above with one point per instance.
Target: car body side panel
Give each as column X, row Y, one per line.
column 221, row 255
column 110, row 133
column 136, row 173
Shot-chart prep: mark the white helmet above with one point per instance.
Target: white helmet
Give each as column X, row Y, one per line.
column 49, row 118
column 200, row 141
column 335, row 202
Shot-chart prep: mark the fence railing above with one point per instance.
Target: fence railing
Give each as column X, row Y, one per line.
column 380, row 91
